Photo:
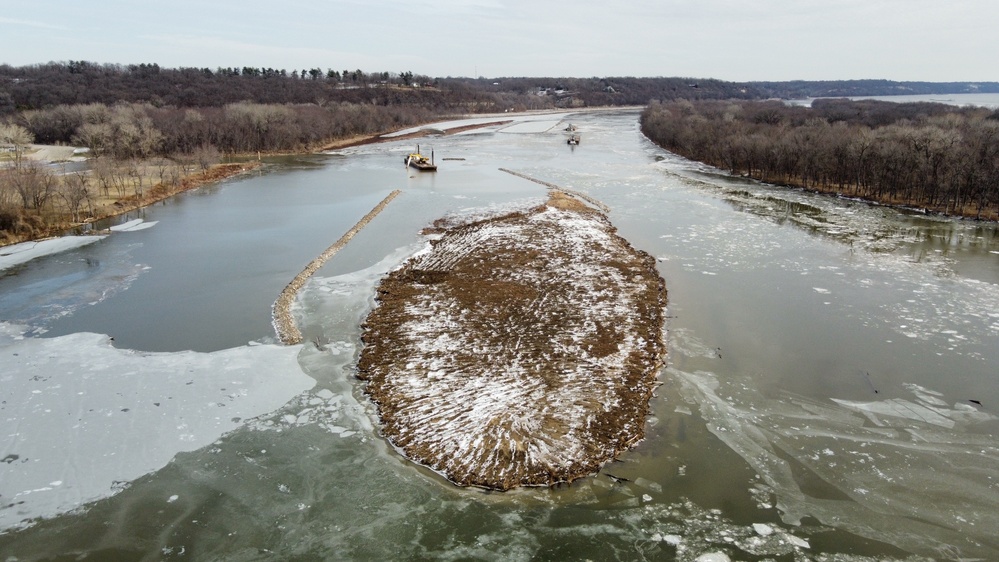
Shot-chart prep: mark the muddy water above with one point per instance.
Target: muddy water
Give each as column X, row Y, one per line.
column 830, row 389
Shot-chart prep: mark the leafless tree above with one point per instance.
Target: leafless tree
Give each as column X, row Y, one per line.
column 207, row 156
column 17, row 138
column 75, row 191
column 34, row 183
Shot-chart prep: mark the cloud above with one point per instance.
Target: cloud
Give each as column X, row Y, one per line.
column 29, row 23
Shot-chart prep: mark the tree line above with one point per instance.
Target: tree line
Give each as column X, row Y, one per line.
column 129, row 130
column 933, row 156
column 800, row 89
column 81, row 82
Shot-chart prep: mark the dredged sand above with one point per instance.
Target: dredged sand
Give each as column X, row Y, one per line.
column 521, row 350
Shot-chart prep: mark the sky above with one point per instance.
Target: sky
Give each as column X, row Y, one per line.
column 736, row 40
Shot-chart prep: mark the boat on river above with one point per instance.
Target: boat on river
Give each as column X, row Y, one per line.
column 421, row 162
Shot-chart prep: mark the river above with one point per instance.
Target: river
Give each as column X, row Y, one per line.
column 830, row 390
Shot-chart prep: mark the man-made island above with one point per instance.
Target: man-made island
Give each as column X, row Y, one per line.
column 519, row 350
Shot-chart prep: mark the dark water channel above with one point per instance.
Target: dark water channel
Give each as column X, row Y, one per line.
column 831, row 389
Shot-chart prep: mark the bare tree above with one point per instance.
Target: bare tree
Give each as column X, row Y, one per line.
column 207, row 156
column 98, row 137
column 103, row 172
column 75, row 191
column 17, row 138
column 34, row 183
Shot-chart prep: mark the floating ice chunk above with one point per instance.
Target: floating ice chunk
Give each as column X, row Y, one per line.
column 173, row 498
column 126, row 225
column 763, row 529
column 648, row 484
column 133, row 225
column 821, row 291
column 143, row 226
column 713, row 557
column 796, row 541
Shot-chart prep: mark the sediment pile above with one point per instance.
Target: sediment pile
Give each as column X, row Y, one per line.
column 521, row 350
column 284, row 322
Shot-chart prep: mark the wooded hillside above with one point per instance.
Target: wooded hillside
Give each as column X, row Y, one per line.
column 926, row 155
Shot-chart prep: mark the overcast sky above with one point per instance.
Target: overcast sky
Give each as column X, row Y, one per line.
column 737, row 40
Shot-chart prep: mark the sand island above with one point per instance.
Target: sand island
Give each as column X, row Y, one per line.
column 519, row 350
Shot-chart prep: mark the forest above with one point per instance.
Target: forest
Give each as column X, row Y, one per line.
column 930, row 156
column 80, row 82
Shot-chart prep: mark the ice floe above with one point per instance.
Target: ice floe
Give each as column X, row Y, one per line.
column 26, row 251
column 77, row 411
column 133, row 225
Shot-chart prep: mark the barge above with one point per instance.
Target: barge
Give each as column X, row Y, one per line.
column 421, row 162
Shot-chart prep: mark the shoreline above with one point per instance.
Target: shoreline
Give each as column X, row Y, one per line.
column 155, row 194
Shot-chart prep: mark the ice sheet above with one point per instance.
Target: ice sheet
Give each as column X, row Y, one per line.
column 517, row 118
column 532, row 127
column 81, row 419
column 27, row 251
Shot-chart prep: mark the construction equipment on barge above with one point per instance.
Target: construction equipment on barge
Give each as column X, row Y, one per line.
column 421, row 162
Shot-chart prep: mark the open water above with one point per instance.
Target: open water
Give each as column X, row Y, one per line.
column 830, row 390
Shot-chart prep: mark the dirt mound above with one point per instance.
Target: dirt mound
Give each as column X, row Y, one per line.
column 520, row 350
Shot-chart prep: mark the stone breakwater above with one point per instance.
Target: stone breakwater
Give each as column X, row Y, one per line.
column 284, row 321
column 521, row 350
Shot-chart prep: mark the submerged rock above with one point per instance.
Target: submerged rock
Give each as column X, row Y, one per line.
column 520, row 350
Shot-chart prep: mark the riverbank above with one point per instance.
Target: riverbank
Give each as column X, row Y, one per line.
column 968, row 212
column 106, row 205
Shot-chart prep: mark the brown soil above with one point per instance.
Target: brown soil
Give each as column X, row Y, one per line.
column 522, row 350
